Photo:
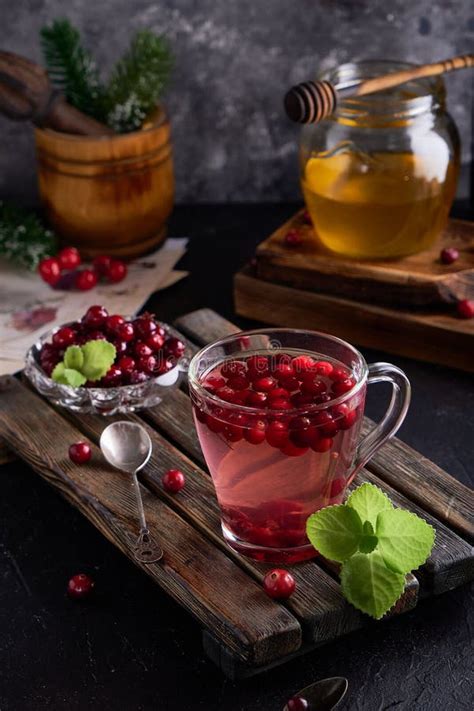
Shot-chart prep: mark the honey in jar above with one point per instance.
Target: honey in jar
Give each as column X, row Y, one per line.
column 379, row 176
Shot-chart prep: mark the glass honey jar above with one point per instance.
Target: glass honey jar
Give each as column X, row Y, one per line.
column 379, row 175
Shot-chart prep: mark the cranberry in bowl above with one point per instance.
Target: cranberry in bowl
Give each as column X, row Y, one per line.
column 106, row 363
column 279, row 414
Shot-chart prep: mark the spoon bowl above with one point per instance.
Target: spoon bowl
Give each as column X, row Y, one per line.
column 323, row 695
column 126, row 446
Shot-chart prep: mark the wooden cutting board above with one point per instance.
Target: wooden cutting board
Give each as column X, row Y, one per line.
column 244, row 631
column 417, row 280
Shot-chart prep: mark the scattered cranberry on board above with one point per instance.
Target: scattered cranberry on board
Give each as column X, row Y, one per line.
column 173, row 480
column 465, row 308
column 448, row 255
column 293, row 238
column 279, row 584
column 80, row 452
column 49, row 270
column 62, row 271
column 80, row 586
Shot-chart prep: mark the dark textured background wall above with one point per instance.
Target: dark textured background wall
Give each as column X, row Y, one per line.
column 234, row 59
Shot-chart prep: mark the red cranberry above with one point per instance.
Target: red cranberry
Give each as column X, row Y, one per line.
column 49, row 270
column 297, row 703
column 290, row 384
column 256, row 433
column 279, row 584
column 147, row 364
column 174, row 347
column 121, row 347
column 337, row 487
column 322, row 367
column 312, row 386
column 214, row 382
column 325, row 423
column 64, row 337
column 137, row 376
column 113, row 322
column 257, row 367
column 112, row 378
column 280, row 404
column 322, row 445
column 155, row 341
column 101, row 264
column 448, row 255
column 344, row 417
column 142, row 350
column 226, row 394
column 126, row 364
column 80, row 452
column 465, row 308
column 117, row 271
column 339, row 374
column 214, row 423
column 95, row 317
column 144, row 327
column 80, row 586
column 125, row 331
column 302, row 363
column 278, row 394
column 283, row 371
column 342, row 386
column 265, row 384
column 86, row 279
column 277, row 434
column 293, row 238
column 69, row 258
column 238, row 382
column 173, row 480
column 292, row 450
column 256, row 399
column 300, row 400
column 233, row 367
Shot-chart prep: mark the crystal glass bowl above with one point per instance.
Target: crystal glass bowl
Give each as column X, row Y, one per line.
column 101, row 401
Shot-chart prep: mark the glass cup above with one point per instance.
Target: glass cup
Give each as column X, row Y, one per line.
column 278, row 413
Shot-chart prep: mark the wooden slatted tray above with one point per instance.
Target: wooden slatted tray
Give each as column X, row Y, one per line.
column 244, row 631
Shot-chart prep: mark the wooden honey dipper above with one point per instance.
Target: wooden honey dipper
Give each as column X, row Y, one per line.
column 312, row 101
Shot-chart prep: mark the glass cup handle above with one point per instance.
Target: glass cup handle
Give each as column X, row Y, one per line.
column 394, row 416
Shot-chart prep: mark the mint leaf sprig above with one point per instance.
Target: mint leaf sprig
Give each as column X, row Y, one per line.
column 82, row 363
column 376, row 543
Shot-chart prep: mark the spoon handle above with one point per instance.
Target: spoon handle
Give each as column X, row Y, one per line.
column 145, row 549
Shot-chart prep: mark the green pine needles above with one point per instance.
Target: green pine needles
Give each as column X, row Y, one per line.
column 135, row 84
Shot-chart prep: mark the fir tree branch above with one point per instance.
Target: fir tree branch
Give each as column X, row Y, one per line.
column 23, row 237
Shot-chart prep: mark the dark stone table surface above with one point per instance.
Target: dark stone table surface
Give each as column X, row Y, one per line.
column 133, row 648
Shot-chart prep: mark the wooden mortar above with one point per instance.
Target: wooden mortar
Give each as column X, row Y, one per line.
column 108, row 194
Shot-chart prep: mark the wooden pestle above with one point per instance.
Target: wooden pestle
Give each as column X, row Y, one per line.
column 26, row 94
column 313, row 101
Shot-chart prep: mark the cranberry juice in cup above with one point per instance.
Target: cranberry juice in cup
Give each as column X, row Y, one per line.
column 278, row 414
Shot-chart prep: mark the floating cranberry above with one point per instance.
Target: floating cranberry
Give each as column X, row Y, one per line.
column 86, row 279
column 101, row 264
column 290, row 449
column 226, row 393
column 126, row 364
column 465, row 308
column 215, row 424
column 238, row 382
column 173, row 480
column 80, row 586
column 277, row 434
column 137, row 377
column 117, row 271
column 113, row 322
column 95, row 317
column 265, row 384
column 233, row 367
column 297, row 703
column 214, row 382
column 155, row 341
column 49, row 270
column 278, row 394
column 80, row 452
column 125, row 331
column 323, row 368
column 300, row 400
column 144, row 327
column 302, row 364
column 280, row 404
column 142, row 350
column 448, row 255
column 291, row 384
column 322, row 445
column 339, row 374
column 147, row 364
column 342, row 386
column 256, row 399
column 279, row 584
column 113, row 377
column 69, row 258
column 283, row 371
column 344, row 417
column 337, row 487
column 257, row 366
column 256, row 433
column 312, row 386
column 293, row 238
column 64, row 337
column 325, row 423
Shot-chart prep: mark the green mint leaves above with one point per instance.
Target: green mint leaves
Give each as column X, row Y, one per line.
column 82, row 363
column 376, row 543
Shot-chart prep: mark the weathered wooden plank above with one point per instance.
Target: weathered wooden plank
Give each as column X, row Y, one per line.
column 6, row 455
column 194, row 571
column 452, row 560
column 401, row 466
column 205, row 325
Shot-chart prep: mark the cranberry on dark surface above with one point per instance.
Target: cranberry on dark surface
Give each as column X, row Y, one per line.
column 86, row 279
column 80, row 586
column 69, row 258
column 80, row 452
column 49, row 270
column 279, row 584
column 448, row 255
column 465, row 308
column 64, row 337
column 95, row 316
column 297, row 703
column 116, row 271
column 293, row 238
column 173, row 480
